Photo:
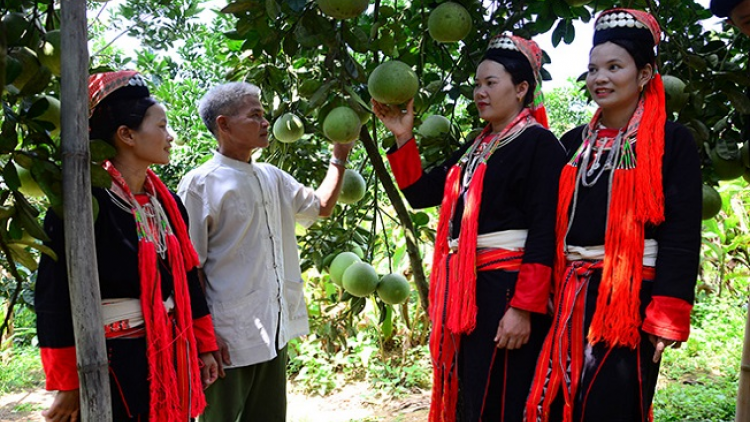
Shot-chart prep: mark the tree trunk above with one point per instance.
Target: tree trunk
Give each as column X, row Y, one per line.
column 743, row 392
column 403, row 215
column 83, row 274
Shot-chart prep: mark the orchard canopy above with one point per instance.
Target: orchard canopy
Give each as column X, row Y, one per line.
column 313, row 57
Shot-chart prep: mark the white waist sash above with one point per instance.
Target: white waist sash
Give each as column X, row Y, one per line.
column 512, row 240
column 596, row 253
column 127, row 309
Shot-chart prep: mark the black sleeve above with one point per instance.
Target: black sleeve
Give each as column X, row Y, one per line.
column 541, row 199
column 428, row 190
column 679, row 236
column 51, row 294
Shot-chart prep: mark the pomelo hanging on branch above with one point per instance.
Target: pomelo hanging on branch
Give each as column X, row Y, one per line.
column 726, row 169
column 360, row 279
column 288, row 128
column 343, row 9
column 340, row 263
column 449, row 22
column 393, row 289
column 49, row 51
column 352, row 188
column 342, row 125
column 674, row 89
column 435, row 126
column 711, row 202
column 393, row 82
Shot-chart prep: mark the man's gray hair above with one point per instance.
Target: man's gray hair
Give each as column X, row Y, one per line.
column 225, row 100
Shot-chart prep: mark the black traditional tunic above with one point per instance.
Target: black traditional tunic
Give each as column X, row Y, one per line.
column 618, row 384
column 519, row 193
column 117, row 260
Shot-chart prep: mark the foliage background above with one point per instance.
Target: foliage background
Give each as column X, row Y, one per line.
column 308, row 63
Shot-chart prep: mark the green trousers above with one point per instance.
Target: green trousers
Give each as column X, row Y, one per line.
column 255, row 393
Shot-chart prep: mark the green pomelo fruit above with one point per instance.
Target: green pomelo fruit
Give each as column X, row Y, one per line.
column 449, row 22
column 51, row 114
column 342, row 125
column 30, row 66
column 393, row 289
column 674, row 89
column 393, row 82
column 49, row 52
column 15, row 26
column 352, row 188
column 726, row 169
column 360, row 279
column 435, row 126
column 343, row 9
column 340, row 263
column 711, row 202
column 178, row 141
column 745, row 154
column 355, row 248
column 288, row 128
column 29, row 186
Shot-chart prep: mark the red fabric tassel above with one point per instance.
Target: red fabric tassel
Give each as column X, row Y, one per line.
column 540, row 115
column 617, row 319
column 462, row 314
column 437, row 275
column 164, row 398
column 650, row 153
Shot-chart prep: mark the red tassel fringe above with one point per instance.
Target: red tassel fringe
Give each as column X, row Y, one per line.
column 462, row 314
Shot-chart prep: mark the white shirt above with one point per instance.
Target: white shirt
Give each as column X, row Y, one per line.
column 242, row 220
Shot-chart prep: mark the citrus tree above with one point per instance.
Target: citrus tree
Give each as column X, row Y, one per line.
column 311, row 57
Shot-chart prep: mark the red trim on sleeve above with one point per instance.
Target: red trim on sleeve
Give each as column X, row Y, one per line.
column 406, row 164
column 203, row 328
column 668, row 317
column 60, row 368
column 532, row 288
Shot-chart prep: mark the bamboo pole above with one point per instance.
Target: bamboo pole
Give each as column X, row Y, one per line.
column 83, row 274
column 743, row 392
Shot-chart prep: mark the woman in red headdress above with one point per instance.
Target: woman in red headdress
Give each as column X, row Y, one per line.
column 159, row 334
column 628, row 233
column 492, row 264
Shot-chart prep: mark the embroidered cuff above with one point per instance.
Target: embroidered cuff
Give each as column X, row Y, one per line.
column 205, row 338
column 532, row 288
column 668, row 317
column 406, row 164
column 60, row 368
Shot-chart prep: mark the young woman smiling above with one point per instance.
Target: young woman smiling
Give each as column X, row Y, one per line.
column 628, row 234
column 492, row 263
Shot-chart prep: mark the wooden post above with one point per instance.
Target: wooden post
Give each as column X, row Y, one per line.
column 83, row 274
column 743, row 392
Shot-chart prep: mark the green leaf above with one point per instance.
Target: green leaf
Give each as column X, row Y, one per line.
column 240, row 6
column 739, row 100
column 101, row 150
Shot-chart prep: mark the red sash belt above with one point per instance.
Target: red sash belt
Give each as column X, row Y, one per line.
column 562, row 353
column 444, row 344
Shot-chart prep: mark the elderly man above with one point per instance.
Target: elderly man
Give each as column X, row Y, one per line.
column 737, row 13
column 242, row 220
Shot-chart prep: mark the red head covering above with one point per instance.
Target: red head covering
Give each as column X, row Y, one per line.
column 102, row 85
column 513, row 46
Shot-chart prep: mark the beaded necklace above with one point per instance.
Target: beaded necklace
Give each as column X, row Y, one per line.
column 151, row 220
column 487, row 143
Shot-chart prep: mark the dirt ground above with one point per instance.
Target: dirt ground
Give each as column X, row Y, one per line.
column 355, row 403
